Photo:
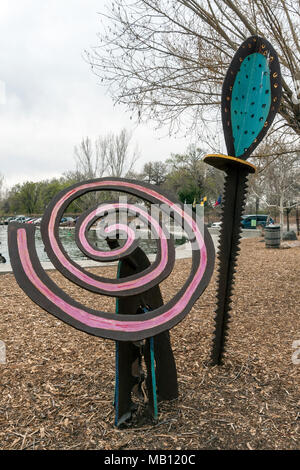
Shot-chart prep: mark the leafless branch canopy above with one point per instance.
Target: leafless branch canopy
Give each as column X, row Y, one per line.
column 166, row 59
column 109, row 155
column 277, row 182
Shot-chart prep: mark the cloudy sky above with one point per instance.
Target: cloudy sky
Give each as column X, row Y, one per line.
column 49, row 98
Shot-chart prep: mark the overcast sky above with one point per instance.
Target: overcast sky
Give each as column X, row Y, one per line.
column 49, row 98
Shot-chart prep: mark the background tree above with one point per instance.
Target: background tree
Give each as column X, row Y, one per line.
column 120, row 159
column 277, row 182
column 191, row 179
column 155, row 173
column 3, row 192
column 186, row 174
column 89, row 159
column 1, row 186
column 108, row 155
column 49, row 189
column 90, row 163
column 25, row 198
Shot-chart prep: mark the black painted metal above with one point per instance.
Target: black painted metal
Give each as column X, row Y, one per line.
column 129, row 371
column 235, row 187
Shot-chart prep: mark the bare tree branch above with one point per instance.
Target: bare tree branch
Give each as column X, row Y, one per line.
column 166, row 59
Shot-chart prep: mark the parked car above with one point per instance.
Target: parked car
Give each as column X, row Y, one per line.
column 19, row 218
column 252, row 221
column 37, row 221
column 7, row 220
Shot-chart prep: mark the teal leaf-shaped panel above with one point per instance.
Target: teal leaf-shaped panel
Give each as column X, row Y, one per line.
column 250, row 101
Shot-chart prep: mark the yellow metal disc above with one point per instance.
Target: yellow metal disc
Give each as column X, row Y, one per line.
column 223, row 162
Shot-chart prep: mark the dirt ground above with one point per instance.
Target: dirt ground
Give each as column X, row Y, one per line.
column 57, row 387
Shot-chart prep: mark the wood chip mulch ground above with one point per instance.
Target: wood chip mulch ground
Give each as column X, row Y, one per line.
column 56, row 389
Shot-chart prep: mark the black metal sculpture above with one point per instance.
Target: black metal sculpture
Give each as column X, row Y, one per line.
column 161, row 378
column 250, row 100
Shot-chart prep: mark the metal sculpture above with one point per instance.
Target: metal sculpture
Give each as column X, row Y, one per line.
column 161, row 377
column 250, row 100
column 137, row 282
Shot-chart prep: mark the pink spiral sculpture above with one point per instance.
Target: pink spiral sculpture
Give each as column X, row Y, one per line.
column 33, row 279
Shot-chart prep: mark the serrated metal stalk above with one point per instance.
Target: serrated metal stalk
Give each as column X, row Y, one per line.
column 234, row 195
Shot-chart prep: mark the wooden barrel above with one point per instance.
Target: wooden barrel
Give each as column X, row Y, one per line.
column 272, row 236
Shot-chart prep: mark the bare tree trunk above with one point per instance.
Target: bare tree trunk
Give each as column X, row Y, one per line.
column 281, row 213
column 287, row 219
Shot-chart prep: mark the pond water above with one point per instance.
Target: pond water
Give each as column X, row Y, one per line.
column 67, row 237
